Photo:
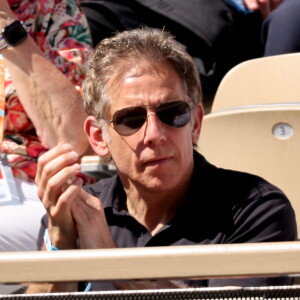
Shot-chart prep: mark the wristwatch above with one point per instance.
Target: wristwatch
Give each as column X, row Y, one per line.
column 13, row 35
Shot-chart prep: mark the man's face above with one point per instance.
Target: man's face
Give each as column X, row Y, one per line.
column 157, row 157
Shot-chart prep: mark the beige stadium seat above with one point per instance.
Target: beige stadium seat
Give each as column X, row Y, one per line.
column 259, row 139
column 273, row 79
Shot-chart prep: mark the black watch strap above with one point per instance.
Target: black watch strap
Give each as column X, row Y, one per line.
column 12, row 35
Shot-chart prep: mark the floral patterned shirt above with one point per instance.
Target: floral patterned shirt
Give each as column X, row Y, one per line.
column 59, row 27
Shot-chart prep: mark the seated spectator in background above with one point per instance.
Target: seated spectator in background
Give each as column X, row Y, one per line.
column 43, row 103
column 218, row 34
column 281, row 29
column 143, row 99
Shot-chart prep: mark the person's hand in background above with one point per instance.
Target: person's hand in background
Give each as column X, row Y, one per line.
column 264, row 6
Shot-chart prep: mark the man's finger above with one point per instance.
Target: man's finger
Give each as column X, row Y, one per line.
column 251, row 4
column 264, row 6
column 65, row 200
column 48, row 169
column 52, row 188
column 49, row 156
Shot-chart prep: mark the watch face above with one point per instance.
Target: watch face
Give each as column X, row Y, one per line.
column 14, row 33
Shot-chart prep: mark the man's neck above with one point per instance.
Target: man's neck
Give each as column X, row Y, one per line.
column 153, row 213
column 153, row 209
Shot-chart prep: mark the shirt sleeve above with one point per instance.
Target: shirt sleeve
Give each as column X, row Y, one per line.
column 62, row 33
column 266, row 216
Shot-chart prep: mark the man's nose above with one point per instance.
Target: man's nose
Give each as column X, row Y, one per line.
column 154, row 131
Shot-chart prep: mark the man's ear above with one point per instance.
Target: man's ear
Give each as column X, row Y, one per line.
column 94, row 134
column 198, row 118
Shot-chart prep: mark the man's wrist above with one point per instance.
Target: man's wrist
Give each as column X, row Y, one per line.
column 58, row 240
column 48, row 243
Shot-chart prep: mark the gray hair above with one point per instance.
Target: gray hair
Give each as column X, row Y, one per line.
column 114, row 56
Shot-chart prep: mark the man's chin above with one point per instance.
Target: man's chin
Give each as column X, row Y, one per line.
column 159, row 183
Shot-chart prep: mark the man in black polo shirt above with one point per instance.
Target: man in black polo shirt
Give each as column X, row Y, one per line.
column 143, row 97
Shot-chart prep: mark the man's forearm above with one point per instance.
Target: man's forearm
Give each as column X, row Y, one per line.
column 49, row 98
column 58, row 287
column 149, row 284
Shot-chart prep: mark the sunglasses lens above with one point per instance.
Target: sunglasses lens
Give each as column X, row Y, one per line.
column 175, row 114
column 129, row 120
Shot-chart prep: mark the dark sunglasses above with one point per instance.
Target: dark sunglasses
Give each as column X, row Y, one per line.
column 129, row 120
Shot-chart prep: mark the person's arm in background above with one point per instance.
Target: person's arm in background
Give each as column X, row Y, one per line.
column 264, row 6
column 48, row 92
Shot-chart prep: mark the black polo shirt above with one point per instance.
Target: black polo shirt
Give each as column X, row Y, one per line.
column 221, row 207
